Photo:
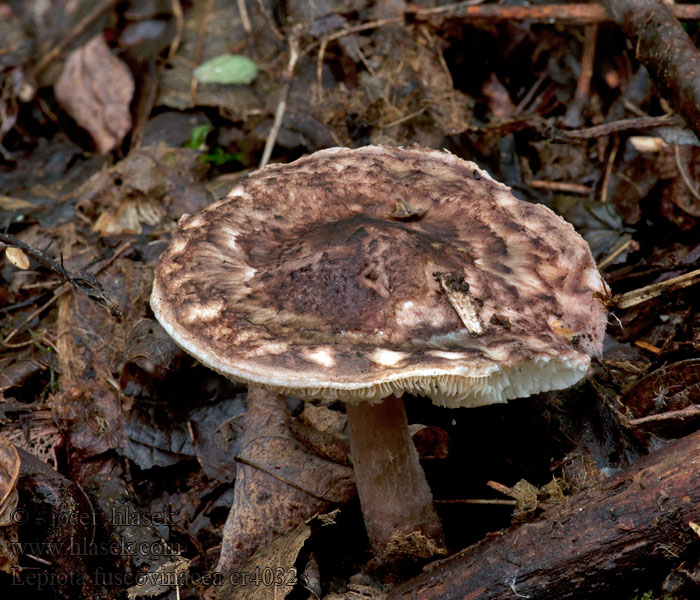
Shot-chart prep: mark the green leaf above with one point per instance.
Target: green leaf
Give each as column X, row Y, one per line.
column 198, row 136
column 227, row 68
column 220, row 157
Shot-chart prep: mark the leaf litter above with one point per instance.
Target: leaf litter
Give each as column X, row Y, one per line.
column 117, row 411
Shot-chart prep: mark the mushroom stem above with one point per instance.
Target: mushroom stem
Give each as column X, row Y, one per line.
column 394, row 494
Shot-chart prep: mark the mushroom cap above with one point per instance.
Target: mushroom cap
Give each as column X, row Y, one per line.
column 356, row 274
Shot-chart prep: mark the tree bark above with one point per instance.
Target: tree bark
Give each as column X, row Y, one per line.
column 594, row 540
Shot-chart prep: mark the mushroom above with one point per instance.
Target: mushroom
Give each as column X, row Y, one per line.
column 363, row 274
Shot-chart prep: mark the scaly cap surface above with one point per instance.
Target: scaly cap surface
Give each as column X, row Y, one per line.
column 355, row 274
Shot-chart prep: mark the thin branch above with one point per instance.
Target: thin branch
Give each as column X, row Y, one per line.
column 293, row 41
column 682, row 413
column 478, row 501
column 638, row 296
column 245, row 19
column 560, row 186
column 573, row 117
column 616, row 252
column 200, row 48
column 179, row 15
column 617, row 127
column 579, row 14
column 83, row 281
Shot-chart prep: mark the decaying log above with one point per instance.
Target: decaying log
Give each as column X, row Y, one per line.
column 598, row 538
column 664, row 47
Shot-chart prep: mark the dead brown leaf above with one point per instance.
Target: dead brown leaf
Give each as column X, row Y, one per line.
column 279, row 482
column 430, row 441
column 16, row 370
column 90, row 344
column 499, row 101
column 57, row 522
column 10, row 517
column 666, row 402
column 17, row 257
column 162, row 579
column 270, row 573
column 9, row 471
column 96, row 88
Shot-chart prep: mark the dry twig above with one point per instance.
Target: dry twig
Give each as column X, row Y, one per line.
column 245, row 19
column 83, row 281
column 682, row 413
column 200, row 48
column 630, row 299
column 560, row 186
column 578, row 14
column 684, row 174
column 573, row 117
column 293, row 41
column 179, row 28
column 617, row 127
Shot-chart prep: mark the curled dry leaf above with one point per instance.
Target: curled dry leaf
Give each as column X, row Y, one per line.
column 140, row 190
column 430, row 441
column 323, row 418
column 16, row 371
column 57, row 519
column 320, row 429
column 271, row 572
column 96, row 88
column 9, row 471
column 150, row 355
column 37, row 436
column 10, row 517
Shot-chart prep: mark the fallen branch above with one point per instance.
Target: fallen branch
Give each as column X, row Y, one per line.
column 630, row 299
column 665, row 49
column 579, row 14
column 546, row 128
column 616, row 529
column 682, row 413
column 616, row 127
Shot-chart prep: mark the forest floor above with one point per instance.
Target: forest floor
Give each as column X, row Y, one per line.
column 117, row 450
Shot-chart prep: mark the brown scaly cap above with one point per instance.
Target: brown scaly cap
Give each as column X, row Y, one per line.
column 355, row 274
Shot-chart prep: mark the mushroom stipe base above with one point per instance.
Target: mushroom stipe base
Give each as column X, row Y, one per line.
column 391, row 484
